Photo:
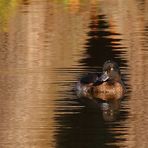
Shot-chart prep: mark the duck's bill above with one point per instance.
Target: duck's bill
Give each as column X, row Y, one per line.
column 104, row 77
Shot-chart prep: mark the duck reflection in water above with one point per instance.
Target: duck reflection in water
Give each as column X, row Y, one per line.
column 110, row 109
column 106, row 86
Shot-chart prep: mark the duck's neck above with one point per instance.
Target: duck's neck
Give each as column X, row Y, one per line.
column 113, row 81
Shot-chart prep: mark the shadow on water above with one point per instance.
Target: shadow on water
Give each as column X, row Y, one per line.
column 86, row 126
column 101, row 46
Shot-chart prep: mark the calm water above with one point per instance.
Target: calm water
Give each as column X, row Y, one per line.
column 45, row 47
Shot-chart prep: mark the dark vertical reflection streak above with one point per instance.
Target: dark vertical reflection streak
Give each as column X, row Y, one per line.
column 86, row 127
column 101, row 46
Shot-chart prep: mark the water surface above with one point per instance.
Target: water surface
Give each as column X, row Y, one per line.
column 45, row 47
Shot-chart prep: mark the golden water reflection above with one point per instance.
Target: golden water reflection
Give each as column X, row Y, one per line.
column 41, row 57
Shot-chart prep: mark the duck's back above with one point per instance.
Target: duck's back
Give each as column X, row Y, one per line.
column 84, row 85
column 89, row 78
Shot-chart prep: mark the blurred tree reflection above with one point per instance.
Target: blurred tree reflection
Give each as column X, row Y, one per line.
column 6, row 9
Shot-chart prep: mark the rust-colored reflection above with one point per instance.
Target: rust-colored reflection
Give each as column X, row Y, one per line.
column 26, row 96
column 40, row 37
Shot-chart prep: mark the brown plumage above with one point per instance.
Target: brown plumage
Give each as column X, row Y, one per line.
column 107, row 91
column 107, row 86
column 112, row 86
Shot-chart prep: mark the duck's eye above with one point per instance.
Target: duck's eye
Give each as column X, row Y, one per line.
column 112, row 68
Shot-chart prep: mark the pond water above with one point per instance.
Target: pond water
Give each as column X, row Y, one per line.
column 45, row 47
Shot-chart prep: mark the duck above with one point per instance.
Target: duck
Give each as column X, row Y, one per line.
column 106, row 86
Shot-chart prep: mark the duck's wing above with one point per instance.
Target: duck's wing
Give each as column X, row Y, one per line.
column 89, row 78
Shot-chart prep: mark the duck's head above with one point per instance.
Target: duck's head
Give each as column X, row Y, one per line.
column 111, row 71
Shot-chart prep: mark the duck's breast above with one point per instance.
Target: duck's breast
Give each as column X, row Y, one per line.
column 108, row 91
